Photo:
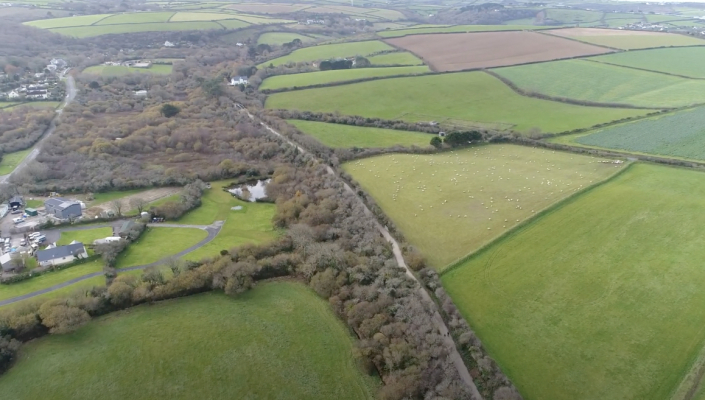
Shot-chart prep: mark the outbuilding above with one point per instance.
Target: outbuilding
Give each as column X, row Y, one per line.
column 62, row 208
column 31, row 212
column 16, row 202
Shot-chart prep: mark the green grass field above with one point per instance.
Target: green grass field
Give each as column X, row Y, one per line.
column 679, row 135
column 10, row 161
column 102, row 198
column 571, row 16
column 136, row 18
column 591, row 81
column 341, row 75
column 7, row 104
column 81, row 20
column 87, row 236
column 50, row 279
column 277, row 341
column 680, row 61
column 97, row 30
column 346, row 136
column 455, row 29
column 113, row 70
column 326, row 51
column 444, row 205
column 473, row 99
column 158, row 243
column 603, row 293
column 398, row 58
column 279, row 38
column 632, row 42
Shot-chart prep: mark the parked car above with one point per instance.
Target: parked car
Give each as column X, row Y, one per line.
column 23, row 242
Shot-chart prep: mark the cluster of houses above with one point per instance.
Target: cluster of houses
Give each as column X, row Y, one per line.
column 644, row 26
column 35, row 86
column 131, row 63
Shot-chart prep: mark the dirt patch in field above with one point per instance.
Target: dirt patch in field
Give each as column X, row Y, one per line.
column 577, row 32
column 148, row 196
column 462, row 51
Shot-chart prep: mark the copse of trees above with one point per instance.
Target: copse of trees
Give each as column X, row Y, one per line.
column 190, row 198
column 340, row 63
column 169, row 110
column 21, row 127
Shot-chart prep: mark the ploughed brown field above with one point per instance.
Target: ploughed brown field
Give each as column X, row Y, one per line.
column 462, row 51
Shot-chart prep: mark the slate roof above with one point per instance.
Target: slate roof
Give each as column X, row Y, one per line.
column 60, row 203
column 60, row 252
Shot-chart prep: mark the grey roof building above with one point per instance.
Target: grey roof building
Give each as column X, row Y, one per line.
column 62, row 208
column 16, row 201
column 61, row 254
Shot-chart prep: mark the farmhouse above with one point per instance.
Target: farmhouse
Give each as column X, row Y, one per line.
column 61, row 254
column 62, row 208
column 238, row 80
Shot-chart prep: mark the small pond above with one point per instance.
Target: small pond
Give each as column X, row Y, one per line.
column 251, row 191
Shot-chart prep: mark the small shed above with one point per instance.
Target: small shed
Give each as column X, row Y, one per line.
column 31, row 212
column 16, row 202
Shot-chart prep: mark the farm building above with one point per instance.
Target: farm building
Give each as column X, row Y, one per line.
column 62, row 254
column 31, row 212
column 62, row 208
column 7, row 262
column 238, row 80
column 16, row 202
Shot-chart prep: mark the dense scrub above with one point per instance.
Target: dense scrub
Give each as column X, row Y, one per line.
column 21, row 127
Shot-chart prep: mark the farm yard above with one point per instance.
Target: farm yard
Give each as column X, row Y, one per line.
column 470, row 99
column 118, row 70
column 627, row 40
column 326, row 51
column 679, row 135
column 341, row 75
column 463, row 51
column 277, row 340
column 339, row 136
column 96, row 25
column 685, row 61
column 604, row 83
column 602, row 292
column 451, row 204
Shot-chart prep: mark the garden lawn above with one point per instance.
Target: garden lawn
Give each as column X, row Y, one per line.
column 158, row 243
column 602, row 83
column 119, row 70
column 449, row 205
column 327, row 51
column 277, row 341
column 49, row 279
column 279, row 38
column 10, row 161
column 397, row 58
column 456, row 29
column 81, row 20
column 252, row 224
column 600, row 298
column 85, row 236
column 97, row 30
column 341, row 75
column 346, row 136
column 680, row 135
column 473, row 99
column 684, row 61
column 215, row 205
column 34, row 203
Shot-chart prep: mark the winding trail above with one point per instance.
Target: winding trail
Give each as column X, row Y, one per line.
column 70, row 95
column 212, row 230
column 396, row 249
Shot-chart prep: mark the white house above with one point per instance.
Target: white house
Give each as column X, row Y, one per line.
column 141, row 93
column 168, row 44
column 238, row 80
column 62, row 254
column 13, row 94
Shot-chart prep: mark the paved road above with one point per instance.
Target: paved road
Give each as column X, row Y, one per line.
column 70, row 95
column 212, row 230
column 437, row 319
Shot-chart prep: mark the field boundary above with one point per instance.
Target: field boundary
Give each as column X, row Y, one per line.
column 644, row 69
column 553, row 207
column 106, row 17
column 615, row 49
column 584, row 103
column 340, row 83
column 693, row 378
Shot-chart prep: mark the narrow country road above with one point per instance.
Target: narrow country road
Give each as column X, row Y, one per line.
column 212, row 230
column 70, row 95
column 437, row 319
